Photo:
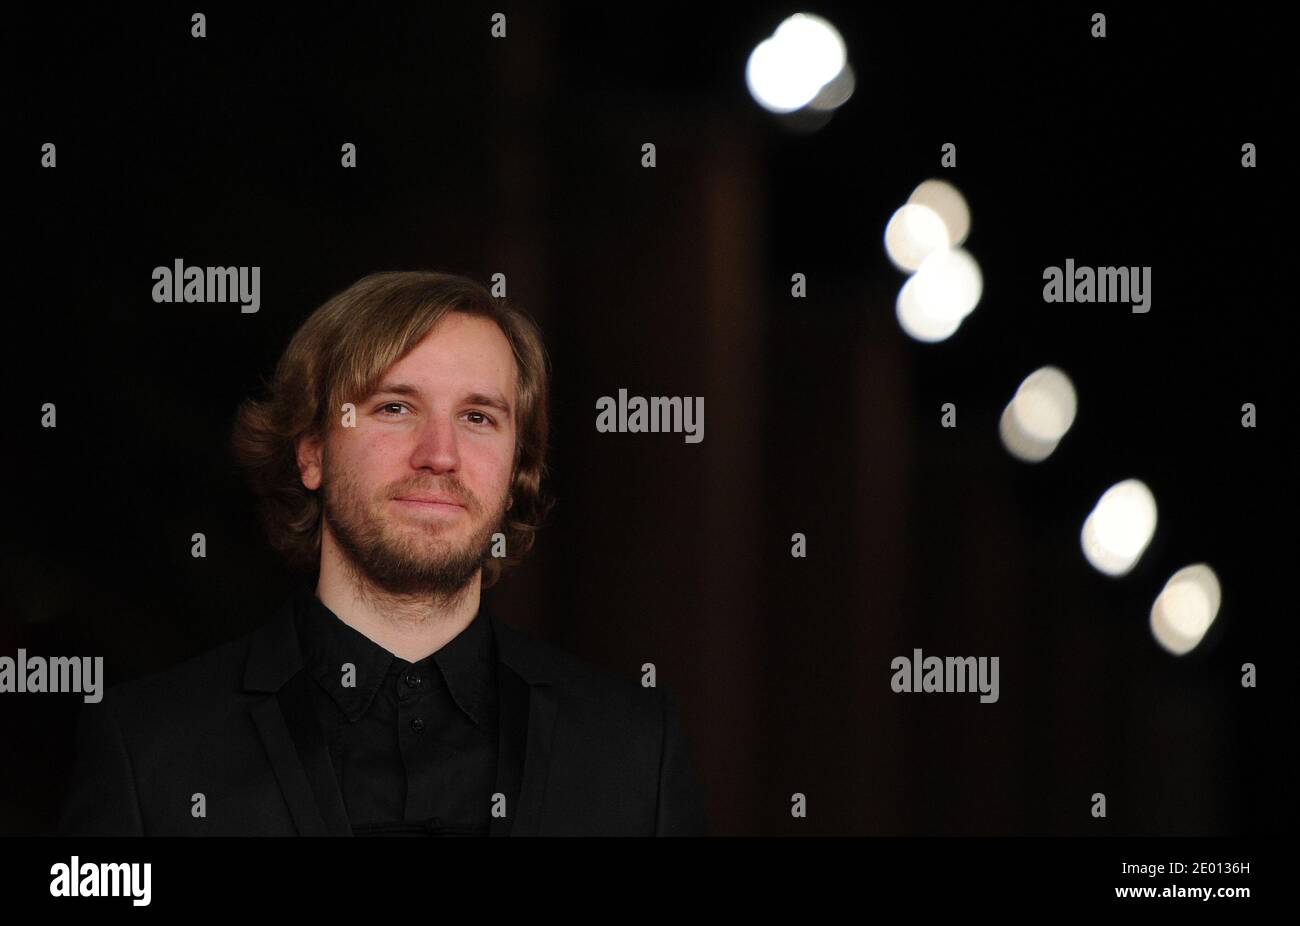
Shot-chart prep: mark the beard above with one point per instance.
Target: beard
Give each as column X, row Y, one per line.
column 407, row 557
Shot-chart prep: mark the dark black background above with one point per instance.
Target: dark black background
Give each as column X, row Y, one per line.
column 522, row 156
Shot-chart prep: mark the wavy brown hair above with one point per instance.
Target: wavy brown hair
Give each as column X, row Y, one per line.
column 340, row 353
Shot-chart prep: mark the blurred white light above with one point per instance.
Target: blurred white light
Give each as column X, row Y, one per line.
column 1186, row 608
column 1120, row 526
column 771, row 82
column 1021, row 445
column 949, row 282
column 913, row 234
column 788, row 70
column 946, row 200
column 1045, row 404
column 922, row 321
column 836, row 93
column 1038, row 415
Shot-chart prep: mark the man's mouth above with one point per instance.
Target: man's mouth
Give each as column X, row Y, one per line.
column 432, row 503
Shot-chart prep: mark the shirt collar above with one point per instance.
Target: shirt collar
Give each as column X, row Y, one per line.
column 465, row 662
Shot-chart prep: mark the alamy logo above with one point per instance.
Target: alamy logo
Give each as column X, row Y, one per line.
column 946, row 674
column 56, row 674
column 672, row 414
column 1104, row 284
column 209, row 284
column 106, row 879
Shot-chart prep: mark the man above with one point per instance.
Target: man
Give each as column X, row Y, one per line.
column 398, row 460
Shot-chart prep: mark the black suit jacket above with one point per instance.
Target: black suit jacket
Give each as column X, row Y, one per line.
column 581, row 751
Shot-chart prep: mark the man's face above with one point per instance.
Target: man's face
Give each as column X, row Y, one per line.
column 434, row 427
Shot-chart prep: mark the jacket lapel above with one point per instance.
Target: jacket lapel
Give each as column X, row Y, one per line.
column 528, row 705
column 300, row 759
column 306, row 810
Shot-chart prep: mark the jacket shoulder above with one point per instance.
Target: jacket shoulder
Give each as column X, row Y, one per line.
column 582, row 685
column 625, row 743
column 208, row 679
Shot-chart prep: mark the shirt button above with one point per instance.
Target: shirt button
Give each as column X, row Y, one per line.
column 412, row 680
column 417, row 724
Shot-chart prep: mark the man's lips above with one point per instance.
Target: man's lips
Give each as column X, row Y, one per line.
column 431, row 501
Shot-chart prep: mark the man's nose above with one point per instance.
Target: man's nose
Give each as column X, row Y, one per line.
column 436, row 445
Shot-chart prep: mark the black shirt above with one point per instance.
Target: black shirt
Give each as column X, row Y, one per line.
column 414, row 745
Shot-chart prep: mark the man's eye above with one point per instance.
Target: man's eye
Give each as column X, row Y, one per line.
column 486, row 418
column 388, row 405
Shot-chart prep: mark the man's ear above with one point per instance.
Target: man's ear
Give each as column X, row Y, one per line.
column 309, row 461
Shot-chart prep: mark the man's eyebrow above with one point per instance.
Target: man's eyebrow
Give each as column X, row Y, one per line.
column 476, row 398
column 492, row 401
column 397, row 389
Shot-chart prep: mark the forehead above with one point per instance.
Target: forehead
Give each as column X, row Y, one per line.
column 461, row 353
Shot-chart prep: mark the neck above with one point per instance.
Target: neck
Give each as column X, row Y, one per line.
column 408, row 626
